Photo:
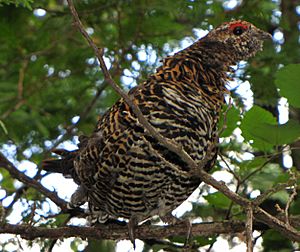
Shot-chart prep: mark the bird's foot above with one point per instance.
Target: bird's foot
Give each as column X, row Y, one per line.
column 78, row 198
column 172, row 220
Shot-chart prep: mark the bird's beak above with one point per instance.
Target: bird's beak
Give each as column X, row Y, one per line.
column 263, row 35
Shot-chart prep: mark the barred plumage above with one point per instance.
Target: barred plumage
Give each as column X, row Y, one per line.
column 122, row 170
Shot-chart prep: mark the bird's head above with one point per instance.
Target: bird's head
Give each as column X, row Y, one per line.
column 241, row 38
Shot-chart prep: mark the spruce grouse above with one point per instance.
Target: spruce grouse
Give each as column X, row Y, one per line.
column 121, row 170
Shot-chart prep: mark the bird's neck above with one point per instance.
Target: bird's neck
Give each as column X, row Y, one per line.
column 203, row 64
column 210, row 54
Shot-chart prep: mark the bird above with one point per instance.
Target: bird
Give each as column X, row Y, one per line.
column 122, row 171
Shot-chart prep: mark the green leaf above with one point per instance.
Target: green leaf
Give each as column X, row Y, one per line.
column 7, row 182
column 282, row 178
column 282, row 134
column 274, row 241
column 32, row 194
column 202, row 241
column 252, row 164
column 100, row 245
column 60, row 219
column 2, row 126
column 157, row 247
column 231, row 118
column 178, row 239
column 261, row 127
column 218, row 199
column 24, row 3
column 288, row 82
column 42, row 128
column 282, row 196
column 267, row 177
column 253, row 127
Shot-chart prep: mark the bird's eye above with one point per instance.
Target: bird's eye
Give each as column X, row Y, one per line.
column 238, row 30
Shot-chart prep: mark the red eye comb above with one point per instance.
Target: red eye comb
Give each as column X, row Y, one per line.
column 232, row 26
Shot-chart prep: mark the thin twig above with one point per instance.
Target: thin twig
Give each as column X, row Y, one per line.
column 169, row 246
column 257, row 170
column 82, row 115
column 87, row 109
column 211, row 246
column 53, row 242
column 249, row 229
column 266, row 218
column 224, row 126
column 21, row 79
column 237, row 186
column 229, row 168
column 15, row 173
column 281, row 186
column 13, row 109
column 291, row 198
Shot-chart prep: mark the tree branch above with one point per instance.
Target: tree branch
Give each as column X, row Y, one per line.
column 15, row 173
column 21, row 79
column 286, row 230
column 280, row 186
column 249, row 229
column 117, row 232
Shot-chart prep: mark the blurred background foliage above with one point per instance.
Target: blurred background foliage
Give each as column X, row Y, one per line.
column 51, row 91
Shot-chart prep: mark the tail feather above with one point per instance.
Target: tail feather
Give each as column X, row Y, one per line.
column 61, row 152
column 65, row 165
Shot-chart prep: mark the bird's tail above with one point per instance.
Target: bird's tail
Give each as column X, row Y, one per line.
column 64, row 165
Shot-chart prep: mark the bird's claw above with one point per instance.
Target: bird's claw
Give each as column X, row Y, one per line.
column 172, row 220
column 132, row 223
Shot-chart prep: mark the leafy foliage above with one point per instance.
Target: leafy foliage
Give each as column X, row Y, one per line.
column 260, row 126
column 287, row 80
column 51, row 91
column 24, row 3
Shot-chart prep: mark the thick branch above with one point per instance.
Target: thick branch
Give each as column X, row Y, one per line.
column 116, row 232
